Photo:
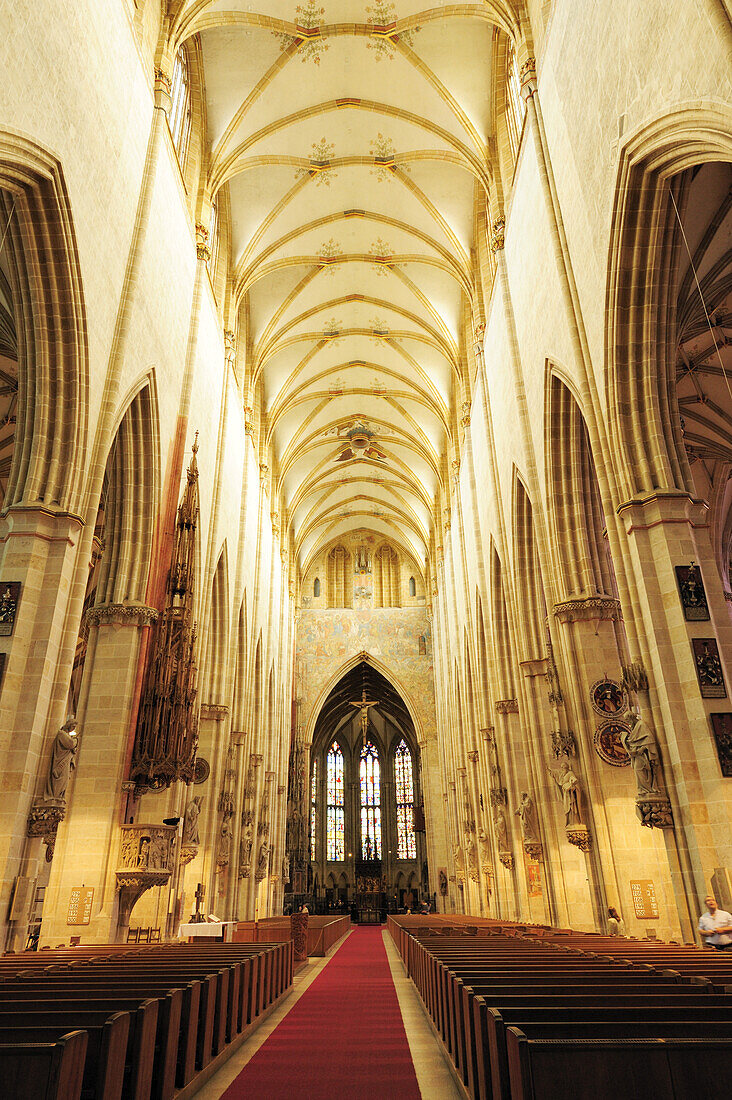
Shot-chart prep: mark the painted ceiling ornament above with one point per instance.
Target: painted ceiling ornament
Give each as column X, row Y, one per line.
column 332, row 328
column 319, row 166
column 383, row 256
column 379, row 327
column 328, row 254
column 361, row 442
column 382, row 18
column 384, row 154
column 308, row 20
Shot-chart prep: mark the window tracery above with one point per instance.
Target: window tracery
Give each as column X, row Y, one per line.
column 515, row 106
column 370, row 777
column 313, row 809
column 335, row 819
column 403, row 774
column 180, row 106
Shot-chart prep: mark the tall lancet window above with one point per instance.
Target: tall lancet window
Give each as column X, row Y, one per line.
column 336, row 847
column 370, row 802
column 313, row 801
column 406, row 844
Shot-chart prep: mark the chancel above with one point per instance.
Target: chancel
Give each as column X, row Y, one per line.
column 365, row 549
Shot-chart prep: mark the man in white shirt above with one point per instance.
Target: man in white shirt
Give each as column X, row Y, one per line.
column 716, row 926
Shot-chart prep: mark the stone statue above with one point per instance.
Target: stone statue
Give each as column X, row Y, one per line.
column 286, row 868
column 263, row 862
column 443, row 884
column 568, row 785
column 527, row 816
column 64, row 750
column 190, row 821
column 459, row 859
column 160, row 852
column 245, row 853
column 501, row 830
column 485, row 852
column 471, row 857
column 640, row 743
column 225, row 837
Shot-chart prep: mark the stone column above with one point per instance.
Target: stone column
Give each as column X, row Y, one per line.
column 89, row 836
column 38, row 549
column 665, row 530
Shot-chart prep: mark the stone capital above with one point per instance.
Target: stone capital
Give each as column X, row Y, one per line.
column 203, row 249
column 534, row 668
column 498, row 235
column 473, row 756
column 488, row 734
column 588, row 609
column 162, row 86
column 216, row 711
column 238, row 737
column 121, row 614
column 527, row 76
column 663, row 507
column 580, row 836
column 507, row 706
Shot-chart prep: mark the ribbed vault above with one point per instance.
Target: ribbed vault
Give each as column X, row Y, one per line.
column 355, row 153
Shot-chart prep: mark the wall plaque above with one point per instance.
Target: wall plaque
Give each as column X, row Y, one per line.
column 9, row 600
column 708, row 668
column 691, row 591
column 80, row 905
column 722, row 730
column 607, row 698
column 643, row 894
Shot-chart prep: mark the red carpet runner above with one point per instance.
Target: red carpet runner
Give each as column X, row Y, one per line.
column 344, row 1039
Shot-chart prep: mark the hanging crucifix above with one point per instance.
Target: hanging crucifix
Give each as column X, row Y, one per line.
column 363, row 704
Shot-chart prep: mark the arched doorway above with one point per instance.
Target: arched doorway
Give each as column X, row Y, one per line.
column 365, row 788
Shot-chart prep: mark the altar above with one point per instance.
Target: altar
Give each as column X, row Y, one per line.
column 213, row 930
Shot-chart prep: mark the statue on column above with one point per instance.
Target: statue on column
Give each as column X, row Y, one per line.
column 651, row 800
column 485, row 852
column 63, row 753
column 568, row 785
column 640, row 743
column 190, row 822
column 226, row 836
column 526, row 813
column 263, row 862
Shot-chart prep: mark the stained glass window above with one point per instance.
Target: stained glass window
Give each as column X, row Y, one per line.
column 336, row 848
column 370, row 802
column 313, row 799
column 406, row 843
column 179, row 118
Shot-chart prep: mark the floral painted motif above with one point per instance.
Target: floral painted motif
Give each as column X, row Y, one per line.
column 320, row 167
column 328, row 253
column 382, row 17
column 308, row 17
column 382, row 252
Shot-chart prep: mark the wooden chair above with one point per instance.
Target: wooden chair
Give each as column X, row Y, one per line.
column 144, row 936
column 155, row 936
column 133, row 935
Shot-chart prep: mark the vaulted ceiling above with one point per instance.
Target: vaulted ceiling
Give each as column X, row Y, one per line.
column 353, row 138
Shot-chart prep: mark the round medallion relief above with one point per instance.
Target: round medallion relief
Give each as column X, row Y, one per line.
column 608, row 698
column 608, row 745
column 202, row 770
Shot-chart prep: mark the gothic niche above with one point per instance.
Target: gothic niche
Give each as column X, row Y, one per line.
column 167, row 730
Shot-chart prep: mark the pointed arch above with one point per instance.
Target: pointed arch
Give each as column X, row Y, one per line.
column 238, row 714
column 646, row 433
column 501, row 634
column 130, row 500
column 575, row 507
column 49, row 458
column 214, row 672
column 529, row 588
column 335, row 824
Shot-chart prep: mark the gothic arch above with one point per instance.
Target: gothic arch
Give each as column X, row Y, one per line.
column 386, row 672
column 575, row 508
column 213, row 678
column 645, row 430
column 49, row 456
column 529, row 587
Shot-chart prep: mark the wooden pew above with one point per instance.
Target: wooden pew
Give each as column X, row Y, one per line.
column 44, row 1071
column 605, row 1069
column 104, row 1065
